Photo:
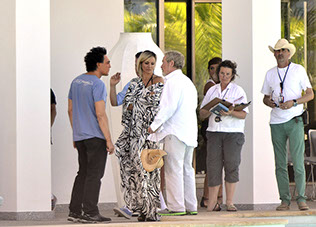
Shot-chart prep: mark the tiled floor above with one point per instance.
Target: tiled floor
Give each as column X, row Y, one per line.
column 222, row 218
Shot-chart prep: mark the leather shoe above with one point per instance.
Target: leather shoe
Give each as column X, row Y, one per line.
column 283, row 207
column 86, row 218
column 302, row 206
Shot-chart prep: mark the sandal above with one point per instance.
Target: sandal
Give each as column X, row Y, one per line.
column 202, row 204
column 217, row 207
column 231, row 207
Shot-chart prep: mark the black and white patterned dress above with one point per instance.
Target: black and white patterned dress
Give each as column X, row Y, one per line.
column 141, row 188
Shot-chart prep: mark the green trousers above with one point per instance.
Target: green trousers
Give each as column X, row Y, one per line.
column 293, row 131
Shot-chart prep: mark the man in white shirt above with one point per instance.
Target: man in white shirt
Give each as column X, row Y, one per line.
column 176, row 125
column 282, row 89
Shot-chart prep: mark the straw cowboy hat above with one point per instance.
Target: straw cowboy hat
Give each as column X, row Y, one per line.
column 283, row 43
column 152, row 159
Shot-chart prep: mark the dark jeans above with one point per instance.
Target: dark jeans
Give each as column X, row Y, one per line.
column 92, row 156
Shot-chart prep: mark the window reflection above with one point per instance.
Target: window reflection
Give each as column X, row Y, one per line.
column 299, row 26
column 141, row 16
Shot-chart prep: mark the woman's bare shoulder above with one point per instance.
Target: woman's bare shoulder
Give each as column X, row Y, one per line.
column 157, row 79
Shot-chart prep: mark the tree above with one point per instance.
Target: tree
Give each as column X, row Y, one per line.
column 141, row 17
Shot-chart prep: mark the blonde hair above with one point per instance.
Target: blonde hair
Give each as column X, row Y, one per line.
column 143, row 57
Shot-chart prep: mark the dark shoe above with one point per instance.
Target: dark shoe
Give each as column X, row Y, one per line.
column 86, row 218
column 142, row 218
column 191, row 213
column 167, row 212
column 74, row 217
column 217, row 207
column 283, row 207
column 302, row 206
column 123, row 212
column 202, row 204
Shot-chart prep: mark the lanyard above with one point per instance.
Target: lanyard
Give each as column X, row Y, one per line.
column 282, row 81
column 225, row 94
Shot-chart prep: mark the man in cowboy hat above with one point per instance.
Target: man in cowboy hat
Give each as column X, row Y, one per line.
column 282, row 89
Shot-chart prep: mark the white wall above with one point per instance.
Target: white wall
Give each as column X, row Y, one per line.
column 266, row 31
column 25, row 71
column 33, row 73
column 249, row 26
column 8, row 105
column 76, row 27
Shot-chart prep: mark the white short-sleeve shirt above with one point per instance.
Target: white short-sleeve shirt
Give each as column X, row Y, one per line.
column 233, row 94
column 295, row 82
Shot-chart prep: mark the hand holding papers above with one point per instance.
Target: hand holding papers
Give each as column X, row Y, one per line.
column 213, row 105
column 217, row 109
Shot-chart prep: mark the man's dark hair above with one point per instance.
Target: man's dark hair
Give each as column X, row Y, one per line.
column 214, row 61
column 138, row 54
column 228, row 64
column 94, row 56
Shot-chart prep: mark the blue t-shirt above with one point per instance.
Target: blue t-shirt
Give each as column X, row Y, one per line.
column 121, row 95
column 85, row 90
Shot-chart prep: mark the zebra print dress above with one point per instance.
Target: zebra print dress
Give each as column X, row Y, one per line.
column 141, row 188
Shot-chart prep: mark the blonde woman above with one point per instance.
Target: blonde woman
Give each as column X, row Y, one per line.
column 140, row 105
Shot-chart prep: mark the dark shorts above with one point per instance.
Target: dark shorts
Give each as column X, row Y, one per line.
column 223, row 150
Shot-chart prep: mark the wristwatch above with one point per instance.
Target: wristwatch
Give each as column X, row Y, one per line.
column 294, row 102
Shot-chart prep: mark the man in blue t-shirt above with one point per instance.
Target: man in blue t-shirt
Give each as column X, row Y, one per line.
column 91, row 136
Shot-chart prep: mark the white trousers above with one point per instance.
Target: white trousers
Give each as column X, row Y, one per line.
column 179, row 175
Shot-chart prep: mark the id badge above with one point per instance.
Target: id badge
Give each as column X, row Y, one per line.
column 281, row 98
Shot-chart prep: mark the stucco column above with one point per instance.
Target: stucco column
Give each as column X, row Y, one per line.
column 249, row 26
column 25, row 159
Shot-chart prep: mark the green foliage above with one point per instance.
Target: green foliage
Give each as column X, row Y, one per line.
column 175, row 28
column 208, row 40
column 297, row 31
column 297, row 35
column 141, row 18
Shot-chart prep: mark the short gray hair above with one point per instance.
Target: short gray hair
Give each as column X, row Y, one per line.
column 176, row 57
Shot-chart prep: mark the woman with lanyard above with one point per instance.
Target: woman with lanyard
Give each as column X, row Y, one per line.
column 225, row 136
column 140, row 106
